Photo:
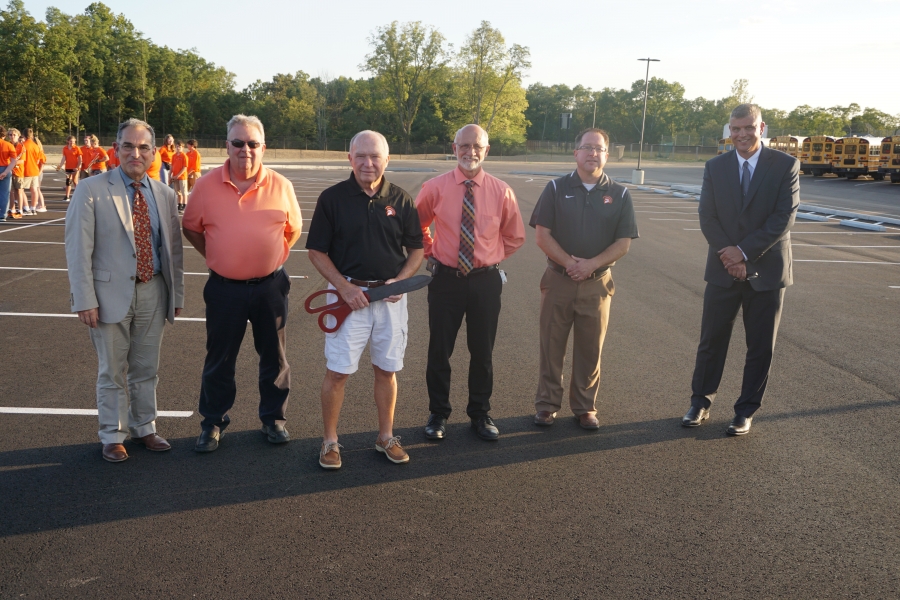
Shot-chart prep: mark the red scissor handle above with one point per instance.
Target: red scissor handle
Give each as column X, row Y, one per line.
column 339, row 310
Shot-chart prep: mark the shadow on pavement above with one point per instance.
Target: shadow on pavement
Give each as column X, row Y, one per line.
column 71, row 486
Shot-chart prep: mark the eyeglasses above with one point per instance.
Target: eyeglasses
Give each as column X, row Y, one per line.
column 143, row 148
column 589, row 149
column 467, row 147
column 240, row 144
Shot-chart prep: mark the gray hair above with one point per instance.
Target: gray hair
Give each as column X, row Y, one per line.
column 247, row 121
column 378, row 136
column 742, row 111
column 135, row 123
column 482, row 134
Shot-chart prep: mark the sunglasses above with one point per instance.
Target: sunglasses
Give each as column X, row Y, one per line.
column 240, row 144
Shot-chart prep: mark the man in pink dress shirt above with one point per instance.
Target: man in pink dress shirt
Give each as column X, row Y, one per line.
column 477, row 224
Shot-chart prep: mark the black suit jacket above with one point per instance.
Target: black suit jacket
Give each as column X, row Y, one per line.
column 759, row 224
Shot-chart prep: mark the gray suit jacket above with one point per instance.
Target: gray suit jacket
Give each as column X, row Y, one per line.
column 759, row 224
column 100, row 249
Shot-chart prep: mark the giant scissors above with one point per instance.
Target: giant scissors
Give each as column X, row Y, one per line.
column 340, row 309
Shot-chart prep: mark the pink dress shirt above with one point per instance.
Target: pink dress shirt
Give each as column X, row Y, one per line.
column 499, row 230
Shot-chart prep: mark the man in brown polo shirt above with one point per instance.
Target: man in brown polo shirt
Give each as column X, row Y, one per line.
column 584, row 223
column 244, row 218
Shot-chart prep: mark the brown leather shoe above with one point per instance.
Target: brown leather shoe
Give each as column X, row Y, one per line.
column 544, row 418
column 153, row 442
column 114, row 452
column 588, row 421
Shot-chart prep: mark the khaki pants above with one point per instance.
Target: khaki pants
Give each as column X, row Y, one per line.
column 566, row 304
column 131, row 344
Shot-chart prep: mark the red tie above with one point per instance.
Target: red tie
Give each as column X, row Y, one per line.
column 142, row 235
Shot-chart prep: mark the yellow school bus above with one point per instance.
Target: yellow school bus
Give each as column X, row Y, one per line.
column 725, row 145
column 855, row 156
column 890, row 158
column 789, row 144
column 816, row 155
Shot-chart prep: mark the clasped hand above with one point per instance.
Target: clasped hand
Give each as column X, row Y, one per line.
column 733, row 260
column 581, row 269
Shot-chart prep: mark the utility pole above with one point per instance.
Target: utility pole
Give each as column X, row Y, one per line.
column 637, row 176
column 594, row 121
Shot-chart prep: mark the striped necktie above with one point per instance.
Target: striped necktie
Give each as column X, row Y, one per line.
column 466, row 259
column 141, row 216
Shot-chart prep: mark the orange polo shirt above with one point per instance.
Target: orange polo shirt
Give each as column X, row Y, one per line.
column 71, row 155
column 246, row 236
column 113, row 161
column 179, row 163
column 499, row 230
column 155, row 166
column 87, row 155
column 167, row 154
column 7, row 153
column 194, row 164
column 19, row 169
column 101, row 158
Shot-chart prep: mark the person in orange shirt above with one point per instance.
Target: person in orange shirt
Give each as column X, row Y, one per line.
column 166, row 153
column 29, row 155
column 71, row 160
column 113, row 161
column 155, row 167
column 37, row 194
column 477, row 224
column 100, row 157
column 8, row 159
column 193, row 163
column 87, row 157
column 180, row 174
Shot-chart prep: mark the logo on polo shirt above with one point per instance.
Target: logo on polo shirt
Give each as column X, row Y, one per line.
column 390, row 211
column 607, row 199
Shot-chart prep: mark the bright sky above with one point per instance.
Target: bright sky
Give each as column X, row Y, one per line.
column 787, row 49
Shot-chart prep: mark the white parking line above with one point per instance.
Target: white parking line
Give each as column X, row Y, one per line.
column 81, row 411
column 851, row 262
column 33, row 225
column 652, row 219
column 48, row 269
column 839, row 246
column 73, row 315
column 23, row 242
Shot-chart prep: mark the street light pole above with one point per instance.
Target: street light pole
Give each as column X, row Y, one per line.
column 637, row 176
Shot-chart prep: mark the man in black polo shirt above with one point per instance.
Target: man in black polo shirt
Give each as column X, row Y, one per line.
column 356, row 240
column 584, row 223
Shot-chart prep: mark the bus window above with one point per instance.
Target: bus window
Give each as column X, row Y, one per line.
column 816, row 147
column 828, row 147
column 896, row 148
column 838, row 149
column 848, row 150
column 806, row 147
column 886, row 148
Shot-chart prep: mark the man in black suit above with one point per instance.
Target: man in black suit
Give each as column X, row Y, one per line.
column 748, row 203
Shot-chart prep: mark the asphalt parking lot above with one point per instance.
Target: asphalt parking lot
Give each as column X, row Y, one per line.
column 804, row 506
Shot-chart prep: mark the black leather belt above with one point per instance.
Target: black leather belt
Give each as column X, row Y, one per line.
column 254, row 281
column 366, row 283
column 442, row 268
column 562, row 270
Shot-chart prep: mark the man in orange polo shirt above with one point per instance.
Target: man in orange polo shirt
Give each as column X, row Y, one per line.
column 87, row 157
column 194, row 161
column 8, row 159
column 29, row 154
column 244, row 218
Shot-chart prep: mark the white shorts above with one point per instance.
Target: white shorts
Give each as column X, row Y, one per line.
column 383, row 324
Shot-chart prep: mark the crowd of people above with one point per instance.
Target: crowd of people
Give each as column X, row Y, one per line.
column 22, row 161
column 125, row 264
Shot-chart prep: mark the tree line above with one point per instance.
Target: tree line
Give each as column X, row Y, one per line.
column 85, row 73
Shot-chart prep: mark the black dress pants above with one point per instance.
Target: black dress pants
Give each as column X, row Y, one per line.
column 761, row 314
column 228, row 308
column 449, row 299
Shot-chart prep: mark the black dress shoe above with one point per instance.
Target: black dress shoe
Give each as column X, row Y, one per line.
column 485, row 429
column 695, row 417
column 436, row 428
column 208, row 440
column 739, row 426
column 277, row 434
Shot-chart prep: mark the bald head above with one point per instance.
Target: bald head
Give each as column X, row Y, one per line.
column 471, row 148
column 369, row 156
column 370, row 139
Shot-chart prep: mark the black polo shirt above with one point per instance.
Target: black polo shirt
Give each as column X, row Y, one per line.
column 364, row 237
column 585, row 223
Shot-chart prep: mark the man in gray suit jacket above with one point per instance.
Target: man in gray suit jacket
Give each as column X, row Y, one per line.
column 124, row 253
column 748, row 203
